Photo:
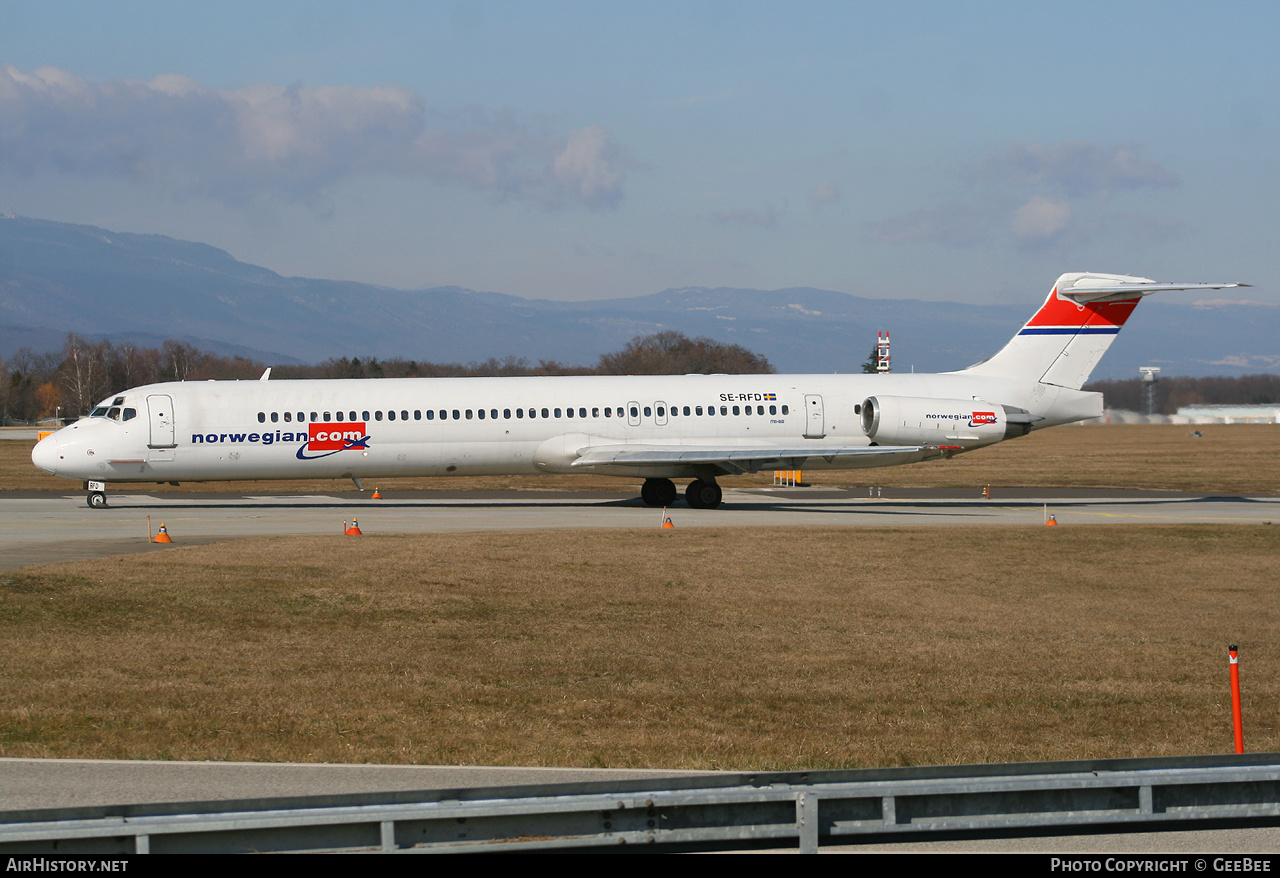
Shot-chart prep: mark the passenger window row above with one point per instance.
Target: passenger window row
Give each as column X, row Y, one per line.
column 520, row 413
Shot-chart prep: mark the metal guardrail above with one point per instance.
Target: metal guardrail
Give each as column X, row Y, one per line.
column 734, row 810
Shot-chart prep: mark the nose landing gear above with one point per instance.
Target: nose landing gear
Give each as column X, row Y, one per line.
column 97, row 498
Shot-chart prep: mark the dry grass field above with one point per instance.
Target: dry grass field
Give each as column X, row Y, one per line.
column 718, row 648
column 1235, row 459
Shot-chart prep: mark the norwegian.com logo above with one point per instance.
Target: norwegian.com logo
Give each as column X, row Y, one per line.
column 981, row 419
column 320, row 440
column 329, row 439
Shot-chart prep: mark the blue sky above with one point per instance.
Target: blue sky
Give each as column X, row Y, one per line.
column 948, row 151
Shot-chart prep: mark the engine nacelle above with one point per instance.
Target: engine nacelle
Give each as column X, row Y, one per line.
column 912, row 420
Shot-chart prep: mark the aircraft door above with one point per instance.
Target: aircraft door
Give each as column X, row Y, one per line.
column 160, row 413
column 633, row 413
column 815, row 425
column 660, row 413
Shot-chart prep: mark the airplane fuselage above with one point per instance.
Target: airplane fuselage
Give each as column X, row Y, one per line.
column 218, row 430
column 653, row 427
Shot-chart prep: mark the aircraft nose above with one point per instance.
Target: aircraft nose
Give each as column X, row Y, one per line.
column 45, row 454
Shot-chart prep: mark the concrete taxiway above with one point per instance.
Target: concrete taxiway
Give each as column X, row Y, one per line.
column 40, row 528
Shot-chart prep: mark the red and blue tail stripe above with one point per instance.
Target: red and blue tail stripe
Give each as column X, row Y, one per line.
column 1058, row 316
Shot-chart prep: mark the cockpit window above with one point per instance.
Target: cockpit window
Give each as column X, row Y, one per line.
column 114, row 413
column 99, row 412
column 130, row 414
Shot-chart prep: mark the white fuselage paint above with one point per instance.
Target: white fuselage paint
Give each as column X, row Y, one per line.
column 217, row 434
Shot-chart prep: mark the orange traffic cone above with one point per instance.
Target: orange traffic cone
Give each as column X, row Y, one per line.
column 666, row 520
column 377, row 495
column 354, row 530
column 162, row 536
column 1052, row 521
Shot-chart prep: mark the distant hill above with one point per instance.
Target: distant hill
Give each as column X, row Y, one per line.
column 57, row 278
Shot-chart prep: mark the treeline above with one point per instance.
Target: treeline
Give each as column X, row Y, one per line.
column 1174, row 392
column 35, row 386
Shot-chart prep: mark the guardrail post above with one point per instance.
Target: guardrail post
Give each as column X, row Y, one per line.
column 889, row 811
column 807, row 822
column 1145, row 800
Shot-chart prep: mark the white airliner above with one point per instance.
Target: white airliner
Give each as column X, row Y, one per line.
column 657, row 428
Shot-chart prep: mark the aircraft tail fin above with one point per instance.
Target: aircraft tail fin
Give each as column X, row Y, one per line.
column 1065, row 339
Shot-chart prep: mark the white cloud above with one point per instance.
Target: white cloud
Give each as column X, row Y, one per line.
column 588, row 167
column 1040, row 220
column 1076, row 168
column 1033, row 194
column 289, row 142
column 824, row 192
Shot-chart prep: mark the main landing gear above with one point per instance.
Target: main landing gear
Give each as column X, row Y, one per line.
column 699, row 494
column 703, row 495
column 659, row 492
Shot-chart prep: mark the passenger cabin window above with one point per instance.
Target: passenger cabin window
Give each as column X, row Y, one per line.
column 262, row 418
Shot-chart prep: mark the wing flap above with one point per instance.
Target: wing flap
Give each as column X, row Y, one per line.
column 750, row 460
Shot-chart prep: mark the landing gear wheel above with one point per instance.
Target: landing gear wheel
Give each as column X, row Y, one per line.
column 97, row 500
column 703, row 495
column 659, row 492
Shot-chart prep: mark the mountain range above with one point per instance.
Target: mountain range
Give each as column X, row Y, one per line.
column 57, row 278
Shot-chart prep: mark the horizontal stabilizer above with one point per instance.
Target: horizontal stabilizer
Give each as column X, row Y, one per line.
column 1112, row 288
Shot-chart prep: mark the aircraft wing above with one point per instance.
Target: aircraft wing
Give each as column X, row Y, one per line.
column 737, row 460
